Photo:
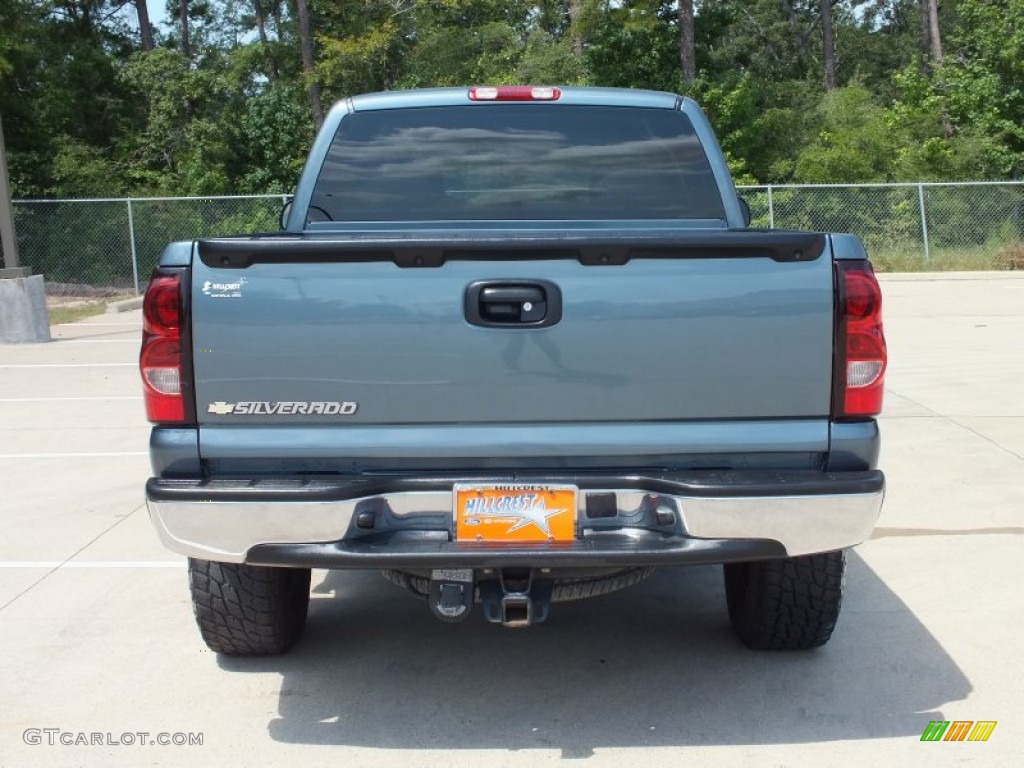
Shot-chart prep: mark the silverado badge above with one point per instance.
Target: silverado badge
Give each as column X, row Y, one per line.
column 284, row 408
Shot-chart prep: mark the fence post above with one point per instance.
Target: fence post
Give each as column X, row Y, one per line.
column 131, row 237
column 771, row 209
column 924, row 224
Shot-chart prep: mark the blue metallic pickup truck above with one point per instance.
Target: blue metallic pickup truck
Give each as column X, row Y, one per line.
column 514, row 345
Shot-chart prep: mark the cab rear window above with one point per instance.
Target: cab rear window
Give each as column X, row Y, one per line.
column 515, row 162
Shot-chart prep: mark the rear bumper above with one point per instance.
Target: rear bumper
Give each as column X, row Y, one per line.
column 401, row 522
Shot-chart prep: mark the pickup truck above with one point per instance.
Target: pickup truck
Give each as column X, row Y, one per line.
column 514, row 345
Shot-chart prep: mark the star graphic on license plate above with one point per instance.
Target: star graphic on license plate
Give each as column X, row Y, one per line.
column 537, row 515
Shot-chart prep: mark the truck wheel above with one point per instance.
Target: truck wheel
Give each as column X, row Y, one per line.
column 789, row 604
column 247, row 610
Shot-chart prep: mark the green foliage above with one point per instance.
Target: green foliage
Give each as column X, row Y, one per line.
column 547, row 59
column 759, row 125
column 853, row 141
column 457, row 55
column 635, row 45
column 275, row 133
column 12, row 44
column 364, row 58
column 81, row 170
column 86, row 112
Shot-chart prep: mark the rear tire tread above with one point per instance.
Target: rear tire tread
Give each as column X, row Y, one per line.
column 246, row 610
column 790, row 604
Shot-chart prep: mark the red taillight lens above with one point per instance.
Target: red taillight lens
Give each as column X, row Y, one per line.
column 861, row 356
column 161, row 309
column 514, row 93
column 160, row 359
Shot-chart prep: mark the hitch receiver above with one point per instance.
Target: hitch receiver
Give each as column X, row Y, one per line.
column 516, row 599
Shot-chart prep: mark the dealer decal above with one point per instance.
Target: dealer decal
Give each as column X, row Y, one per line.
column 284, row 408
column 231, row 290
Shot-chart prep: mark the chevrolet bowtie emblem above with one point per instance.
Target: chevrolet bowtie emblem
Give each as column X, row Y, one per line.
column 220, row 408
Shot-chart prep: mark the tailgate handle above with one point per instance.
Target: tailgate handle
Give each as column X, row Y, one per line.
column 513, row 303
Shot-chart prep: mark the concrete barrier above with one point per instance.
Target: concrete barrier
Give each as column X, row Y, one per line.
column 23, row 315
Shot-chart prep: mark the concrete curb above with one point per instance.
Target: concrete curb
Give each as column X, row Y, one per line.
column 126, row 305
column 911, row 277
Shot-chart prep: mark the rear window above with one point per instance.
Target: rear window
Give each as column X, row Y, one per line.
column 515, row 161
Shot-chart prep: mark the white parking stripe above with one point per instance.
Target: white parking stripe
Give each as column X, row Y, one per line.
column 67, row 399
column 70, row 365
column 71, row 455
column 85, row 564
column 97, row 341
column 105, row 325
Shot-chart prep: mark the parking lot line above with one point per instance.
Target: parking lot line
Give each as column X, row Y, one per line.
column 69, row 365
column 98, row 341
column 71, row 455
column 102, row 325
column 87, row 564
column 64, row 399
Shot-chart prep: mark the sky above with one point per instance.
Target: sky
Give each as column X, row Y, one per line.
column 157, row 12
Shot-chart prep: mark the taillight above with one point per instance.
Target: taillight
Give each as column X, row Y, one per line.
column 860, row 343
column 161, row 358
column 514, row 93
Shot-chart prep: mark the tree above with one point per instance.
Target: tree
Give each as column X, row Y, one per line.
column 259, row 16
column 828, row 45
column 687, row 50
column 230, row 99
column 853, row 144
column 933, row 29
column 306, row 47
column 575, row 12
column 145, row 29
column 931, row 39
column 186, row 47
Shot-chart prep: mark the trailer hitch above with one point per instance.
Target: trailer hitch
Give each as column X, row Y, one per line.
column 516, row 598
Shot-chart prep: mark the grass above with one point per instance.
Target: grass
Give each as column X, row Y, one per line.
column 978, row 258
column 72, row 314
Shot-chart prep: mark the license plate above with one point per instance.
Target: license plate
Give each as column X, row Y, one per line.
column 529, row 513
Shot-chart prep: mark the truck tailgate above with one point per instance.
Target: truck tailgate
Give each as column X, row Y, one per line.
column 700, row 333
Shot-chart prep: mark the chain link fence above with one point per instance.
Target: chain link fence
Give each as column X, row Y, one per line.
column 907, row 227
column 115, row 243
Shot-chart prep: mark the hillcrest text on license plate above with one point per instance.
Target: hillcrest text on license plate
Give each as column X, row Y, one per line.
column 527, row 513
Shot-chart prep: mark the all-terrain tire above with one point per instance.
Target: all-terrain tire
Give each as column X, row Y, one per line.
column 789, row 604
column 248, row 610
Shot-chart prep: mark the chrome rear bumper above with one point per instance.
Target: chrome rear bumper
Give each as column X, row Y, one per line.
column 407, row 522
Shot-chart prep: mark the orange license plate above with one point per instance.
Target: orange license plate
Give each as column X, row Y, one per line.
column 531, row 513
